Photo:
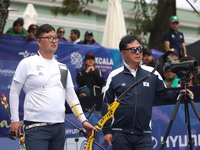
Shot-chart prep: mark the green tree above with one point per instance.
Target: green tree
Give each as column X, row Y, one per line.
column 165, row 10
column 141, row 22
column 73, row 7
column 149, row 22
column 4, row 4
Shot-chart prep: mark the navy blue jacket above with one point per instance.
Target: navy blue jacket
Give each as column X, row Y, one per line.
column 134, row 112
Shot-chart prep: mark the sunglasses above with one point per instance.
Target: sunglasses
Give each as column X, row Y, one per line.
column 33, row 28
column 135, row 49
column 61, row 31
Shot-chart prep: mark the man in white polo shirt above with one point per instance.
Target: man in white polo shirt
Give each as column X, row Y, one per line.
column 44, row 109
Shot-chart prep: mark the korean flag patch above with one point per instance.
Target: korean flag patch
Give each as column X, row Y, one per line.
column 146, row 84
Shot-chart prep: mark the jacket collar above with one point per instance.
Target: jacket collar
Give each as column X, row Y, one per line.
column 127, row 69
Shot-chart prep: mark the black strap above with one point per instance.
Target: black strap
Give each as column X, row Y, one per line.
column 137, row 83
column 63, row 73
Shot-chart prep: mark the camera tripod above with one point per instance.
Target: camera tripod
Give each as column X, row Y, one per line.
column 187, row 99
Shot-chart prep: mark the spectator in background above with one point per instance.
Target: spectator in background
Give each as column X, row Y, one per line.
column 61, row 33
column 193, row 75
column 90, row 77
column 18, row 30
column 173, row 54
column 33, row 29
column 83, row 92
column 75, row 36
column 88, row 38
column 174, row 39
column 163, row 58
column 171, row 80
column 149, row 60
column 21, row 20
column 186, row 58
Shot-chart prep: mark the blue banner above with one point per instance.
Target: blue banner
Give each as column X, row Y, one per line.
column 14, row 49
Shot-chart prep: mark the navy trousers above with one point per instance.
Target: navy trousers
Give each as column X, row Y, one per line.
column 50, row 137
column 125, row 141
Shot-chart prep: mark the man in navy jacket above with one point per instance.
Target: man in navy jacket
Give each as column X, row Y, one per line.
column 129, row 128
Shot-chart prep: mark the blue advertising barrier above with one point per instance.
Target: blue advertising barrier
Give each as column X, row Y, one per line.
column 13, row 49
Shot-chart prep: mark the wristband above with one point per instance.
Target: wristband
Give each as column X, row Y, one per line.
column 84, row 121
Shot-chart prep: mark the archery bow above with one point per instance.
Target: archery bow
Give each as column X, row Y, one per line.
column 92, row 110
column 112, row 108
column 84, row 133
column 11, row 134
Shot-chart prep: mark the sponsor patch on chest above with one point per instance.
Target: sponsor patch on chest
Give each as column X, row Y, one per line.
column 123, row 84
column 146, row 84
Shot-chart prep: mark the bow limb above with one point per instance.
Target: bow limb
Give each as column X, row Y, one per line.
column 111, row 110
column 91, row 139
column 84, row 133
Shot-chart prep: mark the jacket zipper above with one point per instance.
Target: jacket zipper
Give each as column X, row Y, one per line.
column 135, row 107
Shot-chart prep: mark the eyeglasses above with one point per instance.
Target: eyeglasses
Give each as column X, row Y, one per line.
column 61, row 31
column 33, row 28
column 50, row 38
column 135, row 49
column 167, row 71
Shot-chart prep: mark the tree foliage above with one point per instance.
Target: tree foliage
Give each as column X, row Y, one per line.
column 165, row 10
column 151, row 20
column 3, row 14
column 73, row 7
column 141, row 23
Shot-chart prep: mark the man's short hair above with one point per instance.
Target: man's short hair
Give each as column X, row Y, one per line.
column 17, row 22
column 45, row 28
column 21, row 20
column 166, row 66
column 147, row 51
column 59, row 29
column 76, row 32
column 171, row 51
column 126, row 40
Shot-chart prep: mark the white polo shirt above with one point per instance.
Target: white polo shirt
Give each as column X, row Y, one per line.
column 45, row 95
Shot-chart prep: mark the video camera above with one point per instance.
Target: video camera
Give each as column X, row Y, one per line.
column 183, row 69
